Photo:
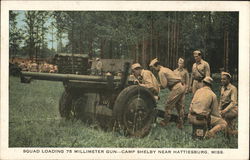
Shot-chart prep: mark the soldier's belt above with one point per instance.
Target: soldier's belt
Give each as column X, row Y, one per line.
column 199, row 79
column 225, row 105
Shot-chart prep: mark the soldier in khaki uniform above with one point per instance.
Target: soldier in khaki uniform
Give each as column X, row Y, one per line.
column 228, row 102
column 169, row 79
column 200, row 70
column 98, row 66
column 205, row 104
column 183, row 73
column 146, row 79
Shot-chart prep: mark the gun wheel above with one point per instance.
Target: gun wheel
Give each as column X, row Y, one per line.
column 70, row 105
column 134, row 110
column 65, row 105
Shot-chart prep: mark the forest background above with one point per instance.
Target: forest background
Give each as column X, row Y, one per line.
column 137, row 35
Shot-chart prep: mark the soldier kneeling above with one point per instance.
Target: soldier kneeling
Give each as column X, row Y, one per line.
column 204, row 112
column 228, row 103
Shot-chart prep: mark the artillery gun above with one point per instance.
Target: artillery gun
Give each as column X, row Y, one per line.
column 115, row 101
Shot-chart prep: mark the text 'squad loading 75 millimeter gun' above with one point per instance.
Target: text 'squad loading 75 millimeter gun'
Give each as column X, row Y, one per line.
column 112, row 101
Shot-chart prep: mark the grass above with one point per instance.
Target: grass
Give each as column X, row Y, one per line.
column 34, row 121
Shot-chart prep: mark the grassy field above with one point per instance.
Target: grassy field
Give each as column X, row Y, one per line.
column 34, row 121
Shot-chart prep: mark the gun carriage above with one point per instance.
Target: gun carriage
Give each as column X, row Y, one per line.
column 113, row 101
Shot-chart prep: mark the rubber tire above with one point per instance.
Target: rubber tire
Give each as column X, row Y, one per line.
column 121, row 104
column 65, row 103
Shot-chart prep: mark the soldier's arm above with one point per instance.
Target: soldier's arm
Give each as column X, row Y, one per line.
column 233, row 98
column 191, row 82
column 215, row 108
column 163, row 80
column 207, row 70
column 147, row 81
column 220, row 107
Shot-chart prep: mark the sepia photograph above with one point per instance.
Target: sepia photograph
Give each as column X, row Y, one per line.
column 124, row 82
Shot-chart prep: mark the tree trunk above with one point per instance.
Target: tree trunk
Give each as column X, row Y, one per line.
column 151, row 37
column 177, row 39
column 90, row 48
column 111, row 49
column 174, row 42
column 168, row 45
column 102, row 47
column 137, row 52
column 156, row 44
column 172, row 47
column 227, row 50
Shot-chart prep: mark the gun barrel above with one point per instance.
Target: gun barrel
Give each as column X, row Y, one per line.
column 66, row 77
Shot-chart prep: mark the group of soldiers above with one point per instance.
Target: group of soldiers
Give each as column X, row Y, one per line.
column 32, row 66
column 204, row 110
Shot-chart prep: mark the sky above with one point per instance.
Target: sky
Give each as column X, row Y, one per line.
column 21, row 24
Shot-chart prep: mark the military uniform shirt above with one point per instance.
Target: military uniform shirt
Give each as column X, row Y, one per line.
column 203, row 67
column 183, row 73
column 228, row 97
column 168, row 78
column 205, row 102
column 149, row 81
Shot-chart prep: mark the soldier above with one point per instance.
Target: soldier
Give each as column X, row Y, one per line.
column 183, row 73
column 200, row 70
column 204, row 107
column 169, row 79
column 51, row 68
column 33, row 67
column 46, row 67
column 28, row 64
column 98, row 66
column 55, row 68
column 23, row 66
column 146, row 79
column 228, row 102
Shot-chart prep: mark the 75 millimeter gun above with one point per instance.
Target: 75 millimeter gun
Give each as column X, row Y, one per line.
column 110, row 100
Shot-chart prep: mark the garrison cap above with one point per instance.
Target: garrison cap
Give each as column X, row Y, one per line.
column 197, row 52
column 226, row 73
column 135, row 65
column 208, row 80
column 152, row 63
column 180, row 60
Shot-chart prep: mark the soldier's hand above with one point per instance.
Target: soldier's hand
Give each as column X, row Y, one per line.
column 136, row 82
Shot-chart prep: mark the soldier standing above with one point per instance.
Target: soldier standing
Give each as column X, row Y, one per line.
column 204, row 107
column 183, row 73
column 98, row 66
column 200, row 70
column 170, row 80
column 146, row 79
column 228, row 102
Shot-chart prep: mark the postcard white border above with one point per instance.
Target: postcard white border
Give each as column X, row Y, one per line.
column 242, row 7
